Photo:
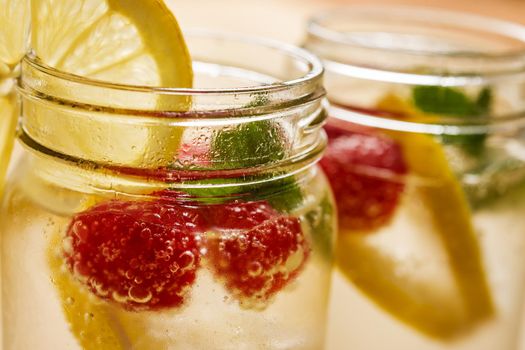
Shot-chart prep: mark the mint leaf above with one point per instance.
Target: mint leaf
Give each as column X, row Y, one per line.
column 322, row 227
column 250, row 145
column 282, row 194
column 442, row 100
column 484, row 101
column 453, row 102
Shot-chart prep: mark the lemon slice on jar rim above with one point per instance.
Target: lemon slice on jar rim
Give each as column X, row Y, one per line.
column 376, row 274
column 135, row 42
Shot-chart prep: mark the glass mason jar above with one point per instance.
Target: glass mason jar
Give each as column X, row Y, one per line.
column 156, row 218
column 426, row 161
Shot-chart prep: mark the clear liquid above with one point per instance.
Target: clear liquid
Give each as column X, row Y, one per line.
column 36, row 211
column 408, row 257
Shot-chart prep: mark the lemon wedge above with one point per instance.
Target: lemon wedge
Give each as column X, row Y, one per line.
column 417, row 303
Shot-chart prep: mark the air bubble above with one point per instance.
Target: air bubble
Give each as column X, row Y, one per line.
column 134, row 263
column 255, row 269
column 187, row 260
column 174, row 267
column 88, row 317
column 67, row 245
column 145, row 233
column 119, row 297
column 139, row 295
column 99, row 288
column 80, row 230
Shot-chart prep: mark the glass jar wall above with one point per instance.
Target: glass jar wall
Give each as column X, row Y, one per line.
column 171, row 218
column 426, row 161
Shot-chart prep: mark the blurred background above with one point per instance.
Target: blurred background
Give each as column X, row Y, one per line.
column 285, row 19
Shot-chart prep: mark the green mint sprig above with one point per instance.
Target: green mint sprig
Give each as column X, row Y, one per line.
column 250, row 145
column 449, row 101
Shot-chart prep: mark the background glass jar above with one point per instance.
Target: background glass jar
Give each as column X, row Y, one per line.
column 167, row 218
column 426, row 159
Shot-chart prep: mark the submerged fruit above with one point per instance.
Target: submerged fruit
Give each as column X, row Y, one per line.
column 257, row 252
column 364, row 171
column 141, row 255
column 378, row 273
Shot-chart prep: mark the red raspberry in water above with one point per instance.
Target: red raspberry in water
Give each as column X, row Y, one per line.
column 141, row 255
column 240, row 215
column 364, row 171
column 257, row 251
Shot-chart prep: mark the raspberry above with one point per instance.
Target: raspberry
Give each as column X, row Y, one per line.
column 361, row 168
column 239, row 215
column 257, row 251
column 141, row 255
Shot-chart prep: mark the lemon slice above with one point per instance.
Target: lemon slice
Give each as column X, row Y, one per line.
column 15, row 18
column 415, row 302
column 15, row 15
column 127, row 42
column 117, row 41
column 89, row 319
column 8, row 112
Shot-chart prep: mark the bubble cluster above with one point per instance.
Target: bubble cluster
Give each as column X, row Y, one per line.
column 145, row 255
column 259, row 252
column 142, row 255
